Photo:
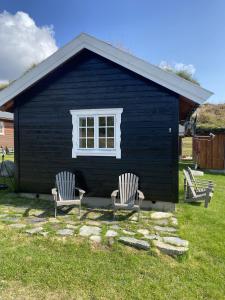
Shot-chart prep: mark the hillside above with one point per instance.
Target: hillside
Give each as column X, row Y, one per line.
column 211, row 117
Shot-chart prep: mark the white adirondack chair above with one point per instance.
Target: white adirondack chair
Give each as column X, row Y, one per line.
column 192, row 194
column 127, row 197
column 64, row 193
column 199, row 184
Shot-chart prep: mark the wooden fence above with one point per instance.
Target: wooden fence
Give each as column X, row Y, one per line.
column 209, row 153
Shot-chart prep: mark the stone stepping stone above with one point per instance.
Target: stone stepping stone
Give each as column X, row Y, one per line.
column 53, row 220
column 176, row 241
column 65, row 232
column 134, row 218
column 17, row 226
column 143, row 231
column 165, row 229
column 34, row 230
column 93, row 223
column 10, row 219
column 161, row 222
column 128, row 232
column 130, row 241
column 96, row 238
column 160, row 215
column 109, row 222
column 31, row 220
column 43, row 233
column 170, row 249
column 3, row 215
column 111, row 233
column 115, row 227
column 70, row 226
column 89, row 230
column 174, row 221
column 151, row 236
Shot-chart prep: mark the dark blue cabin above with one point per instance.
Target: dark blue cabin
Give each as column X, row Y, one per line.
column 97, row 111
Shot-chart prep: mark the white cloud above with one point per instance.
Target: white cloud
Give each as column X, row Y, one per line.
column 23, row 44
column 178, row 67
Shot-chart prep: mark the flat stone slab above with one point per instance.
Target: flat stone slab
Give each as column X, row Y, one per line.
column 89, row 230
column 10, row 219
column 160, row 215
column 93, row 223
column 151, row 236
column 65, row 232
column 3, row 215
column 143, row 231
column 70, row 226
column 165, row 229
column 161, row 222
column 115, row 227
column 96, row 238
column 31, row 220
column 111, row 233
column 17, row 226
column 176, row 241
column 130, row 241
column 34, row 230
column 170, row 249
column 174, row 221
column 43, row 233
column 128, row 232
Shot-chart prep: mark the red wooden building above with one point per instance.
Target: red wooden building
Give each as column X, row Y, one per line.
column 6, row 130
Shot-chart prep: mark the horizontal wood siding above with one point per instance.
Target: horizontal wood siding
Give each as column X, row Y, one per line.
column 7, row 140
column 44, row 127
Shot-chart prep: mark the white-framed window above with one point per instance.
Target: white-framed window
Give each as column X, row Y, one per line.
column 2, row 128
column 96, row 132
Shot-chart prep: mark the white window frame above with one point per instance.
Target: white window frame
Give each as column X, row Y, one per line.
column 2, row 132
column 96, row 113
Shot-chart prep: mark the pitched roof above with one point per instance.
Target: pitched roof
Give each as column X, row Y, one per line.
column 6, row 115
column 84, row 41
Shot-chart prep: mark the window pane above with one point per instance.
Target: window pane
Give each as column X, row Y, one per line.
column 90, row 143
column 102, row 132
column 110, row 132
column 90, row 132
column 110, row 121
column 82, row 122
column 82, row 143
column 102, row 121
column 102, row 143
column 110, row 143
column 82, row 132
column 90, row 122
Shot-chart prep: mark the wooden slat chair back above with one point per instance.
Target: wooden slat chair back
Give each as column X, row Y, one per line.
column 189, row 184
column 65, row 183
column 64, row 193
column 128, row 186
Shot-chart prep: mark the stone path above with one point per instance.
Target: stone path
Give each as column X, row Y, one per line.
column 154, row 230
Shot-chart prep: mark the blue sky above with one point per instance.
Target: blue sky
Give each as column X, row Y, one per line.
column 176, row 31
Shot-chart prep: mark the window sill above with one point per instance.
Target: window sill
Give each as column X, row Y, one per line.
column 95, row 153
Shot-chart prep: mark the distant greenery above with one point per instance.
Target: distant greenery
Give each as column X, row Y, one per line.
column 185, row 74
column 211, row 117
column 3, row 85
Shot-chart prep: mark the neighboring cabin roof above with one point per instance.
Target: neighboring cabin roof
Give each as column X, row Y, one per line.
column 167, row 79
column 6, row 116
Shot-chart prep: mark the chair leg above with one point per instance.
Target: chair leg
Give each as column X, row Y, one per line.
column 55, row 210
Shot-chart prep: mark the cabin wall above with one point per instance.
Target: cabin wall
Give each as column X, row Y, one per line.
column 149, row 148
column 209, row 153
column 7, row 139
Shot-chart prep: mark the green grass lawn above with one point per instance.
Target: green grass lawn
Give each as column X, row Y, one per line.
column 43, row 268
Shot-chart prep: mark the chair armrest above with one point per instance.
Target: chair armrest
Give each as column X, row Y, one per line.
column 140, row 195
column 81, row 192
column 114, row 195
column 55, row 194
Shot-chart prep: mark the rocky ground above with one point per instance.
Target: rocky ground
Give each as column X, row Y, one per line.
column 155, row 229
